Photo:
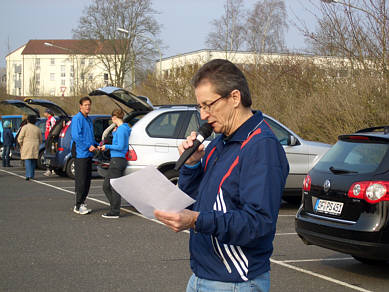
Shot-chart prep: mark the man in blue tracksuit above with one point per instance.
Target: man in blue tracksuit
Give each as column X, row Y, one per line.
column 83, row 146
column 237, row 182
column 118, row 162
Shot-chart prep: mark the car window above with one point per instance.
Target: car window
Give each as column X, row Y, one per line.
column 42, row 126
column 99, row 126
column 164, row 126
column 281, row 134
column 352, row 156
column 193, row 125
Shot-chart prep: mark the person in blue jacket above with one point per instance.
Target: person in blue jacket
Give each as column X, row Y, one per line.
column 83, row 145
column 118, row 162
column 8, row 143
column 237, row 182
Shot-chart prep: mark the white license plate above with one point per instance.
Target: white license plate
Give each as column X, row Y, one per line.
column 329, row 207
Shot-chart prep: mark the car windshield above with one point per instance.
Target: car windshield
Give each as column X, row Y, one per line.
column 353, row 157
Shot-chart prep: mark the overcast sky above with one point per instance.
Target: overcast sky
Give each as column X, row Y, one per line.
column 185, row 23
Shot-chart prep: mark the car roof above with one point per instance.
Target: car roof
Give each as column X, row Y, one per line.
column 378, row 133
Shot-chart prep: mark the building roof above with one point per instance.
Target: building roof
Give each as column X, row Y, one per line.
column 66, row 47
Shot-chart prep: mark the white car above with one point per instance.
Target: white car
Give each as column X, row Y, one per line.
column 157, row 132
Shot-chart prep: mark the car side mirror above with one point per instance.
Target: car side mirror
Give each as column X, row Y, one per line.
column 292, row 140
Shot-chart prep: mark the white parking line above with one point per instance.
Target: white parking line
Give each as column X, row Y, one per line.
column 91, row 187
column 287, row 215
column 318, row 260
column 286, row 233
column 281, row 263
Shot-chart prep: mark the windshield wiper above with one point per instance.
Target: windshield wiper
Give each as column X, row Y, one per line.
column 341, row 171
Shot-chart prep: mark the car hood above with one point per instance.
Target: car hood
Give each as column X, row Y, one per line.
column 57, row 110
column 137, row 103
column 21, row 105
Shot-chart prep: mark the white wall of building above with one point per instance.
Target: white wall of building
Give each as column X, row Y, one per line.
column 53, row 75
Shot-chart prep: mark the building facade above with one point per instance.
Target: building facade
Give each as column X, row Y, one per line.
column 57, row 68
column 172, row 65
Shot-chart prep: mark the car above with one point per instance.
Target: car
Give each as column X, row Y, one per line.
column 57, row 152
column 17, row 122
column 345, row 204
column 158, row 130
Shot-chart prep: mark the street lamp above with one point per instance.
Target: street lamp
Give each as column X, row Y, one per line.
column 155, row 43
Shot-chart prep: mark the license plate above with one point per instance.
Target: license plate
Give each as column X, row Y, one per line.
column 329, row 207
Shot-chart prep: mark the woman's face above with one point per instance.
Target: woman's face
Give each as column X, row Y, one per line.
column 217, row 110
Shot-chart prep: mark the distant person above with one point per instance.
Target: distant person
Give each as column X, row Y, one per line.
column 29, row 139
column 8, row 143
column 83, row 146
column 118, row 162
column 50, row 122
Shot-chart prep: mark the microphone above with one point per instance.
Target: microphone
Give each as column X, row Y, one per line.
column 204, row 132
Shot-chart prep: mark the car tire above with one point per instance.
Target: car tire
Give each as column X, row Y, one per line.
column 70, row 168
column 41, row 161
column 369, row 261
column 172, row 175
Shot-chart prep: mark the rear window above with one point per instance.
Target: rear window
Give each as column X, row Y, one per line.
column 354, row 157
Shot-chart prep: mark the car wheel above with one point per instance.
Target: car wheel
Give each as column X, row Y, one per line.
column 59, row 172
column 172, row 175
column 41, row 161
column 369, row 261
column 70, row 168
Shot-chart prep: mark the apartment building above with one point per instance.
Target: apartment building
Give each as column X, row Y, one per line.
column 57, row 68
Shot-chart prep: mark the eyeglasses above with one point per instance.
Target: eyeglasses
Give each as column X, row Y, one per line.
column 207, row 107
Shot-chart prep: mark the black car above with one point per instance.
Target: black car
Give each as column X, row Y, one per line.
column 345, row 202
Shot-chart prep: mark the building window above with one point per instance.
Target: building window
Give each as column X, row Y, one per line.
column 52, row 61
column 52, row 76
column 52, row 91
column 63, row 68
column 63, row 82
column 82, row 61
column 91, row 62
column 63, row 74
column 72, row 68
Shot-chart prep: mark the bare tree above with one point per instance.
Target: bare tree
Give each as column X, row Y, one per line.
column 357, row 30
column 228, row 31
column 266, row 25
column 129, row 51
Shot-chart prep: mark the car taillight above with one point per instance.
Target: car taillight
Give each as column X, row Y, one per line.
column 307, row 183
column 131, row 154
column 64, row 129
column 370, row 191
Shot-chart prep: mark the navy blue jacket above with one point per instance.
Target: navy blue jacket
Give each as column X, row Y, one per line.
column 238, row 190
column 83, row 135
column 8, row 137
column 119, row 145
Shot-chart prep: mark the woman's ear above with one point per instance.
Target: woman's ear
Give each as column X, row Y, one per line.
column 236, row 97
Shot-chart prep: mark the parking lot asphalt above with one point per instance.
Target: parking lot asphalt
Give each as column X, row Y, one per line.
column 47, row 247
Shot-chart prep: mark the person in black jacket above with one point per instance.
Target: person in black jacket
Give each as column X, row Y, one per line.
column 8, row 142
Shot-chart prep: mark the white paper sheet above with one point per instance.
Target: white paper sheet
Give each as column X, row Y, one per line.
column 149, row 189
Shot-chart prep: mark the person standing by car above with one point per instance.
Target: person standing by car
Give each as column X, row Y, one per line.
column 83, row 146
column 50, row 122
column 8, row 142
column 237, row 183
column 29, row 139
column 118, row 162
